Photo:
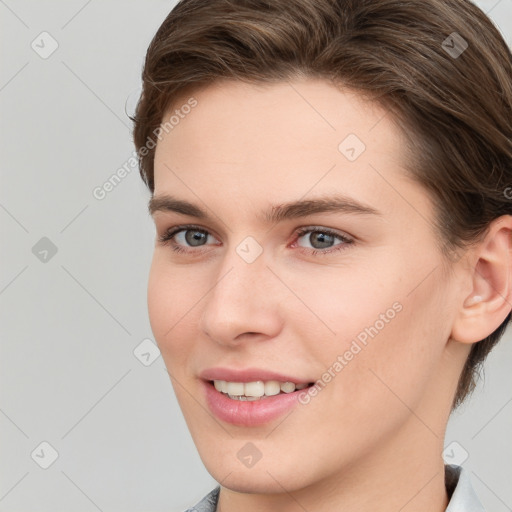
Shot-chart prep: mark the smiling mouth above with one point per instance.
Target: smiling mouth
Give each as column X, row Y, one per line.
column 256, row 390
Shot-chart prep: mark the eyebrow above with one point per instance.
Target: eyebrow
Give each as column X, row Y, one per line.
column 276, row 213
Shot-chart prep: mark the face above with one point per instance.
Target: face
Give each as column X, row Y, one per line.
column 345, row 290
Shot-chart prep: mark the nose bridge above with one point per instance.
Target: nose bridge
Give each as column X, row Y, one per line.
column 243, row 267
column 241, row 299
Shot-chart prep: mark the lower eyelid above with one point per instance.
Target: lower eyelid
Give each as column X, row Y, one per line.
column 345, row 244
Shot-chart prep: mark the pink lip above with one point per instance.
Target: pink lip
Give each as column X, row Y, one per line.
column 248, row 375
column 248, row 414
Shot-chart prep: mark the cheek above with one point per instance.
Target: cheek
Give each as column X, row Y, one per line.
column 159, row 299
column 332, row 302
column 390, row 333
column 168, row 298
column 400, row 361
column 368, row 319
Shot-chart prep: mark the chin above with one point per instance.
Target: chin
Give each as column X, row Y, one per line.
column 252, row 481
column 270, row 476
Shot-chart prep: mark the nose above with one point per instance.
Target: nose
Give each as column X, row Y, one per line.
column 245, row 303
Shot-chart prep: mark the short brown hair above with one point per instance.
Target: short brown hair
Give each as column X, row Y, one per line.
column 440, row 66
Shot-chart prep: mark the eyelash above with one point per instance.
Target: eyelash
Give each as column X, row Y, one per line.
column 166, row 239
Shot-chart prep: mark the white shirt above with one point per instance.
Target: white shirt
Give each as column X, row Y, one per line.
column 458, row 486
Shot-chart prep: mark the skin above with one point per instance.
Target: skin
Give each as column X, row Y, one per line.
column 379, row 425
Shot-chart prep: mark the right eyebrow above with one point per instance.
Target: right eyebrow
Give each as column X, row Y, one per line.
column 167, row 203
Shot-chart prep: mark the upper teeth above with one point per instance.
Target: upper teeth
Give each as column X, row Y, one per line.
column 257, row 388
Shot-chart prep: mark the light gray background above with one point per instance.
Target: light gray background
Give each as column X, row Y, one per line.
column 70, row 325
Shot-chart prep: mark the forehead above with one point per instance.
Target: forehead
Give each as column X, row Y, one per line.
column 280, row 141
column 242, row 115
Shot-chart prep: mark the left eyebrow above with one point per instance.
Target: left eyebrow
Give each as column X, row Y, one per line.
column 276, row 213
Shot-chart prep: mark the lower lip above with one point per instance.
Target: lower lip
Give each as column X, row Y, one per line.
column 248, row 413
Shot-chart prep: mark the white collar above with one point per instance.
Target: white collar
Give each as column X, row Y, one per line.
column 458, row 484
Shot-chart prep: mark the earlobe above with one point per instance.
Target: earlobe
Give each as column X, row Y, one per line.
column 490, row 301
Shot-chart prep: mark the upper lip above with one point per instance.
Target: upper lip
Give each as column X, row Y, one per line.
column 248, row 375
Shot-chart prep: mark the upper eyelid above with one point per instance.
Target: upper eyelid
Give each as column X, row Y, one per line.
column 178, row 229
column 342, row 234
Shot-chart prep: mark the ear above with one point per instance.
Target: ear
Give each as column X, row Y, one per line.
column 490, row 301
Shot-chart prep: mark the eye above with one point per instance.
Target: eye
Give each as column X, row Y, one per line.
column 184, row 239
column 322, row 238
column 185, row 236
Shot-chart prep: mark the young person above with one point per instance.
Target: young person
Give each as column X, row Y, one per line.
column 329, row 185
